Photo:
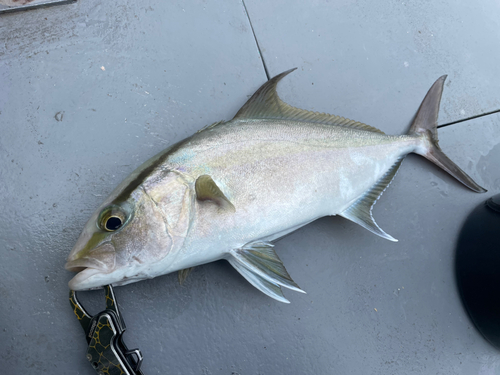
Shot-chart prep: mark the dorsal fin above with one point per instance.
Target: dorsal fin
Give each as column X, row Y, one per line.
column 210, row 126
column 361, row 211
column 266, row 104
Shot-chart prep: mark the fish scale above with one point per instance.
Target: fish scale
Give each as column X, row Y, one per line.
column 234, row 187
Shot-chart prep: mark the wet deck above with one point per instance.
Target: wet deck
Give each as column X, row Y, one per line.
column 90, row 90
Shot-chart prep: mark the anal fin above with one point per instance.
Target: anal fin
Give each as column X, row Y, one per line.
column 361, row 211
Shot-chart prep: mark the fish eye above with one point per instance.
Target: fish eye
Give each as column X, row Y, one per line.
column 112, row 219
column 113, row 223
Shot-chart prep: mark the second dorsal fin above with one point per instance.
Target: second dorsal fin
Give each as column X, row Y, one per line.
column 266, row 104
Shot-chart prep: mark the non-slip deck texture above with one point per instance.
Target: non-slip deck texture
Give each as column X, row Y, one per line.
column 89, row 91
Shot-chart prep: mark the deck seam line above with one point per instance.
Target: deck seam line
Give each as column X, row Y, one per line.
column 469, row 118
column 256, row 41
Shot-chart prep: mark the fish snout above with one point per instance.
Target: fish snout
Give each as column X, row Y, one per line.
column 102, row 258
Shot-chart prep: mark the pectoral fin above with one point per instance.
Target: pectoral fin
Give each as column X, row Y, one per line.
column 207, row 189
column 361, row 211
column 261, row 266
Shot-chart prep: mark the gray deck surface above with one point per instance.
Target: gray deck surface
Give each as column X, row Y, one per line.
column 71, row 131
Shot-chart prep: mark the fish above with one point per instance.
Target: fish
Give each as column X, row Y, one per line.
column 234, row 188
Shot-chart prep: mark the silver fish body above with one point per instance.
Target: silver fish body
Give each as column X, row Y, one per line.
column 233, row 188
column 280, row 175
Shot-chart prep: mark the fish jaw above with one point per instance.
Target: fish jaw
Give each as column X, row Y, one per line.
column 83, row 279
column 93, row 278
column 94, row 266
column 95, row 272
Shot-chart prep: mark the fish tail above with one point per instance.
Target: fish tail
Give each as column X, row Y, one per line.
column 425, row 127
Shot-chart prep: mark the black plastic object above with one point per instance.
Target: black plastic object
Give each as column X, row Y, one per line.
column 478, row 268
column 106, row 350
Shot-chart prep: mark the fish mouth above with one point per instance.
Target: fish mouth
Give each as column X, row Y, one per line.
column 78, row 282
column 85, row 268
column 79, row 265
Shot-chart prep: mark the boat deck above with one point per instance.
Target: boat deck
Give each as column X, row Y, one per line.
column 90, row 90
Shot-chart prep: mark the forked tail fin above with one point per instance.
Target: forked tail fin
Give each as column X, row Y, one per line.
column 425, row 126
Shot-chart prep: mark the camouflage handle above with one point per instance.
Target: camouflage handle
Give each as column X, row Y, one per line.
column 101, row 352
column 106, row 351
column 83, row 317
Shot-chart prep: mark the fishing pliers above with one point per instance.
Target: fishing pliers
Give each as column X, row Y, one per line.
column 106, row 350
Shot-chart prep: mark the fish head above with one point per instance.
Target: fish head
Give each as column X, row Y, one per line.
column 129, row 236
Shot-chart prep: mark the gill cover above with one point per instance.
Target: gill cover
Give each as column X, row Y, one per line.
column 171, row 191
